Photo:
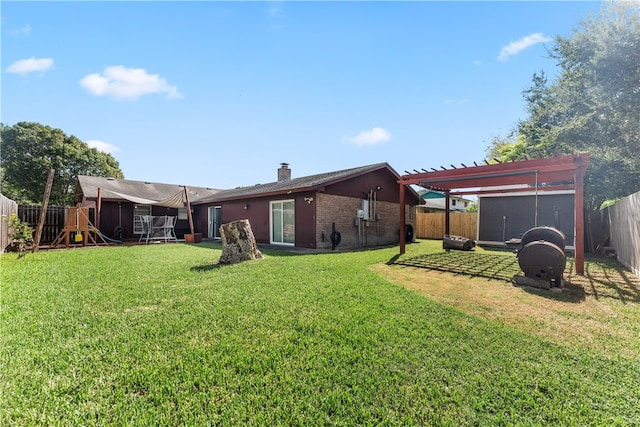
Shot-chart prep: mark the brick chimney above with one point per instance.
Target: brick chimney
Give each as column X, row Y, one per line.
column 284, row 173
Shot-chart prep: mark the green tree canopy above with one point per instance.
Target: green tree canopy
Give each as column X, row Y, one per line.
column 30, row 150
column 593, row 106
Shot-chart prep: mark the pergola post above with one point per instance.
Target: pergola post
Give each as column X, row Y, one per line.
column 579, row 218
column 447, row 213
column 402, row 219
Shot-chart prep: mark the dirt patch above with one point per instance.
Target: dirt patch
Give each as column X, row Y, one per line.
column 599, row 311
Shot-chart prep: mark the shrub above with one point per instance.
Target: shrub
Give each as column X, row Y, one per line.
column 20, row 234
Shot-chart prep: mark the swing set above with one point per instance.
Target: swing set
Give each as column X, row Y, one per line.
column 78, row 225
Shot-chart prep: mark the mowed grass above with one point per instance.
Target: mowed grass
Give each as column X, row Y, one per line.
column 161, row 335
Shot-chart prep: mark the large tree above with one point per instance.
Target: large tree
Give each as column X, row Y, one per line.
column 30, row 150
column 593, row 106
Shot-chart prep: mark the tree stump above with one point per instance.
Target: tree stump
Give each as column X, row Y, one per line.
column 238, row 242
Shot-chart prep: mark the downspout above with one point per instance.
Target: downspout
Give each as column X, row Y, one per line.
column 375, row 199
column 375, row 218
column 98, row 208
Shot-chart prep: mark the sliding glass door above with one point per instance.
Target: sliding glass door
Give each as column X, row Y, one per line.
column 283, row 223
column 215, row 216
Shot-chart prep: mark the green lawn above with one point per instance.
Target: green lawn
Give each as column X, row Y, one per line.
column 160, row 335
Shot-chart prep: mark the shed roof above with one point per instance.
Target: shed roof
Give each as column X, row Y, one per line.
column 124, row 189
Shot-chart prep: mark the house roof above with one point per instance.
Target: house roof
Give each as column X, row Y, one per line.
column 430, row 194
column 306, row 183
column 437, row 200
column 148, row 192
column 137, row 191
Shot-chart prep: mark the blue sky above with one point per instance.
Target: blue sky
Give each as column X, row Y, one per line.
column 218, row 94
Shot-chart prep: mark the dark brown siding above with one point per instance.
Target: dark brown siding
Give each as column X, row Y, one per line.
column 257, row 212
column 306, row 220
column 201, row 219
column 360, row 186
column 110, row 219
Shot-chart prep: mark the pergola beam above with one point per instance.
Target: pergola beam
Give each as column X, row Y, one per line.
column 546, row 188
column 554, row 167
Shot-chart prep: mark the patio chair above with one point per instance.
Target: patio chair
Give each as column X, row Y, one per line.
column 168, row 230
column 147, row 229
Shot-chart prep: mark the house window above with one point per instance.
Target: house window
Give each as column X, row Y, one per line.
column 138, row 212
column 453, row 202
column 182, row 213
column 283, row 222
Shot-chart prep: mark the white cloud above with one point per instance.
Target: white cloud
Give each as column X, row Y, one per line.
column 456, row 101
column 26, row 30
column 275, row 13
column 275, row 8
column 31, row 65
column 374, row 136
column 105, row 147
column 518, row 46
column 120, row 82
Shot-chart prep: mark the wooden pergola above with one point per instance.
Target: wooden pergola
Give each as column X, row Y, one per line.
column 545, row 174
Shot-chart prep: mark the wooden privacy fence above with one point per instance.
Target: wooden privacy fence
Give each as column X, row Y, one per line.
column 53, row 223
column 624, row 220
column 431, row 225
column 7, row 207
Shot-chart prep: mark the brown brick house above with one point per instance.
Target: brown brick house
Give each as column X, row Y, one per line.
column 361, row 204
